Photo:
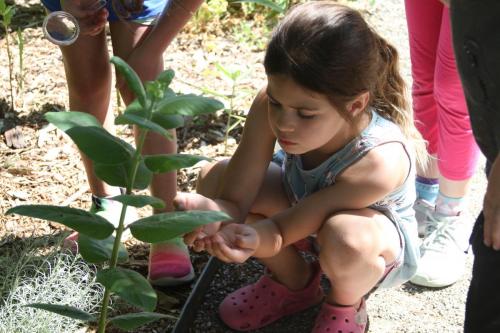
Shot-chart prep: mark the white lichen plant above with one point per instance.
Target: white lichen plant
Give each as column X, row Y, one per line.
column 157, row 108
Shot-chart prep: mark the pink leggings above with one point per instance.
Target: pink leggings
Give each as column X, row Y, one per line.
column 438, row 99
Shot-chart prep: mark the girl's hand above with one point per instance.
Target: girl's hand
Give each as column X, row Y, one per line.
column 234, row 243
column 91, row 18
column 194, row 201
column 492, row 207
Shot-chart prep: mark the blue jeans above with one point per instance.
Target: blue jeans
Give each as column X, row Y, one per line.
column 150, row 10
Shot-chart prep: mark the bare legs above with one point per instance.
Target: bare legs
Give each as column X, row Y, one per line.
column 355, row 246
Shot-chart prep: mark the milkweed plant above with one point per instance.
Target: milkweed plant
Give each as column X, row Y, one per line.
column 159, row 109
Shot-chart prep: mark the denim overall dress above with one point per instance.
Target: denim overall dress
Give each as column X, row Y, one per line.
column 397, row 205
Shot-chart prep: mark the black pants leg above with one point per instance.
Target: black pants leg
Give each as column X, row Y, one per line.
column 482, row 313
column 476, row 40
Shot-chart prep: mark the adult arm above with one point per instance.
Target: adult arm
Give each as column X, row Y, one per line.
column 492, row 207
column 146, row 57
column 173, row 18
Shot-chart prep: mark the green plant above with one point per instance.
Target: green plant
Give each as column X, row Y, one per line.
column 20, row 76
column 233, row 77
column 7, row 13
column 158, row 109
column 209, row 12
column 249, row 32
column 279, row 6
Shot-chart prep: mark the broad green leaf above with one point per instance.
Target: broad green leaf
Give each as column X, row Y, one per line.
column 267, row 3
column 142, row 123
column 129, row 285
column 135, row 108
column 168, row 121
column 131, row 321
column 166, row 77
column 80, row 220
column 139, row 201
column 188, row 105
column 99, row 145
column 133, row 80
column 165, row 226
column 90, row 137
column 98, row 251
column 164, row 120
column 2, row 6
column 69, row 119
column 64, row 310
column 118, row 174
column 171, row 162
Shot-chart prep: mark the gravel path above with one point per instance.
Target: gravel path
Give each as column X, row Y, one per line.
column 408, row 308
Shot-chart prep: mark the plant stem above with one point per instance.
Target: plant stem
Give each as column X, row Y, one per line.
column 9, row 55
column 121, row 225
column 20, row 83
column 231, row 107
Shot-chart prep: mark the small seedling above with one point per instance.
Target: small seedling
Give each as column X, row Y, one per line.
column 233, row 77
column 7, row 12
column 20, row 76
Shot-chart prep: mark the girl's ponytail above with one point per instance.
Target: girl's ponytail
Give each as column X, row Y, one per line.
column 390, row 100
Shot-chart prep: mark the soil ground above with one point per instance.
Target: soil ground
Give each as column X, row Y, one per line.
column 48, row 169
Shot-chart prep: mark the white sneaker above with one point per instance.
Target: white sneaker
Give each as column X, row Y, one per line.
column 423, row 209
column 111, row 211
column 442, row 260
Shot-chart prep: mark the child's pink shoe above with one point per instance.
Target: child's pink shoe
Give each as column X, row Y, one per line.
column 265, row 301
column 169, row 264
column 345, row 319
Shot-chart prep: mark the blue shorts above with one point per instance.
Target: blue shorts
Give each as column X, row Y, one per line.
column 151, row 9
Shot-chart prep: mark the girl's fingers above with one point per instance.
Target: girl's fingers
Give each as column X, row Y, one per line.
column 199, row 245
column 93, row 25
column 180, row 201
column 235, row 255
column 246, row 241
column 219, row 253
column 190, row 237
column 208, row 245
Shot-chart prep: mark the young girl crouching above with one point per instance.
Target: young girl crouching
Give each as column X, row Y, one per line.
column 345, row 173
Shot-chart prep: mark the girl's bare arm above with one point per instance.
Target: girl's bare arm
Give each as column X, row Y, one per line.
column 246, row 169
column 380, row 172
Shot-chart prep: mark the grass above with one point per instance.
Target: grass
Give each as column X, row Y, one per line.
column 33, row 271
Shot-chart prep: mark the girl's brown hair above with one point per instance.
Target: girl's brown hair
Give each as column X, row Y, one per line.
column 330, row 49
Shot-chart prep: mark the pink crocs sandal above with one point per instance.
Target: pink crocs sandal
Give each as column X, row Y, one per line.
column 344, row 319
column 265, row 301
